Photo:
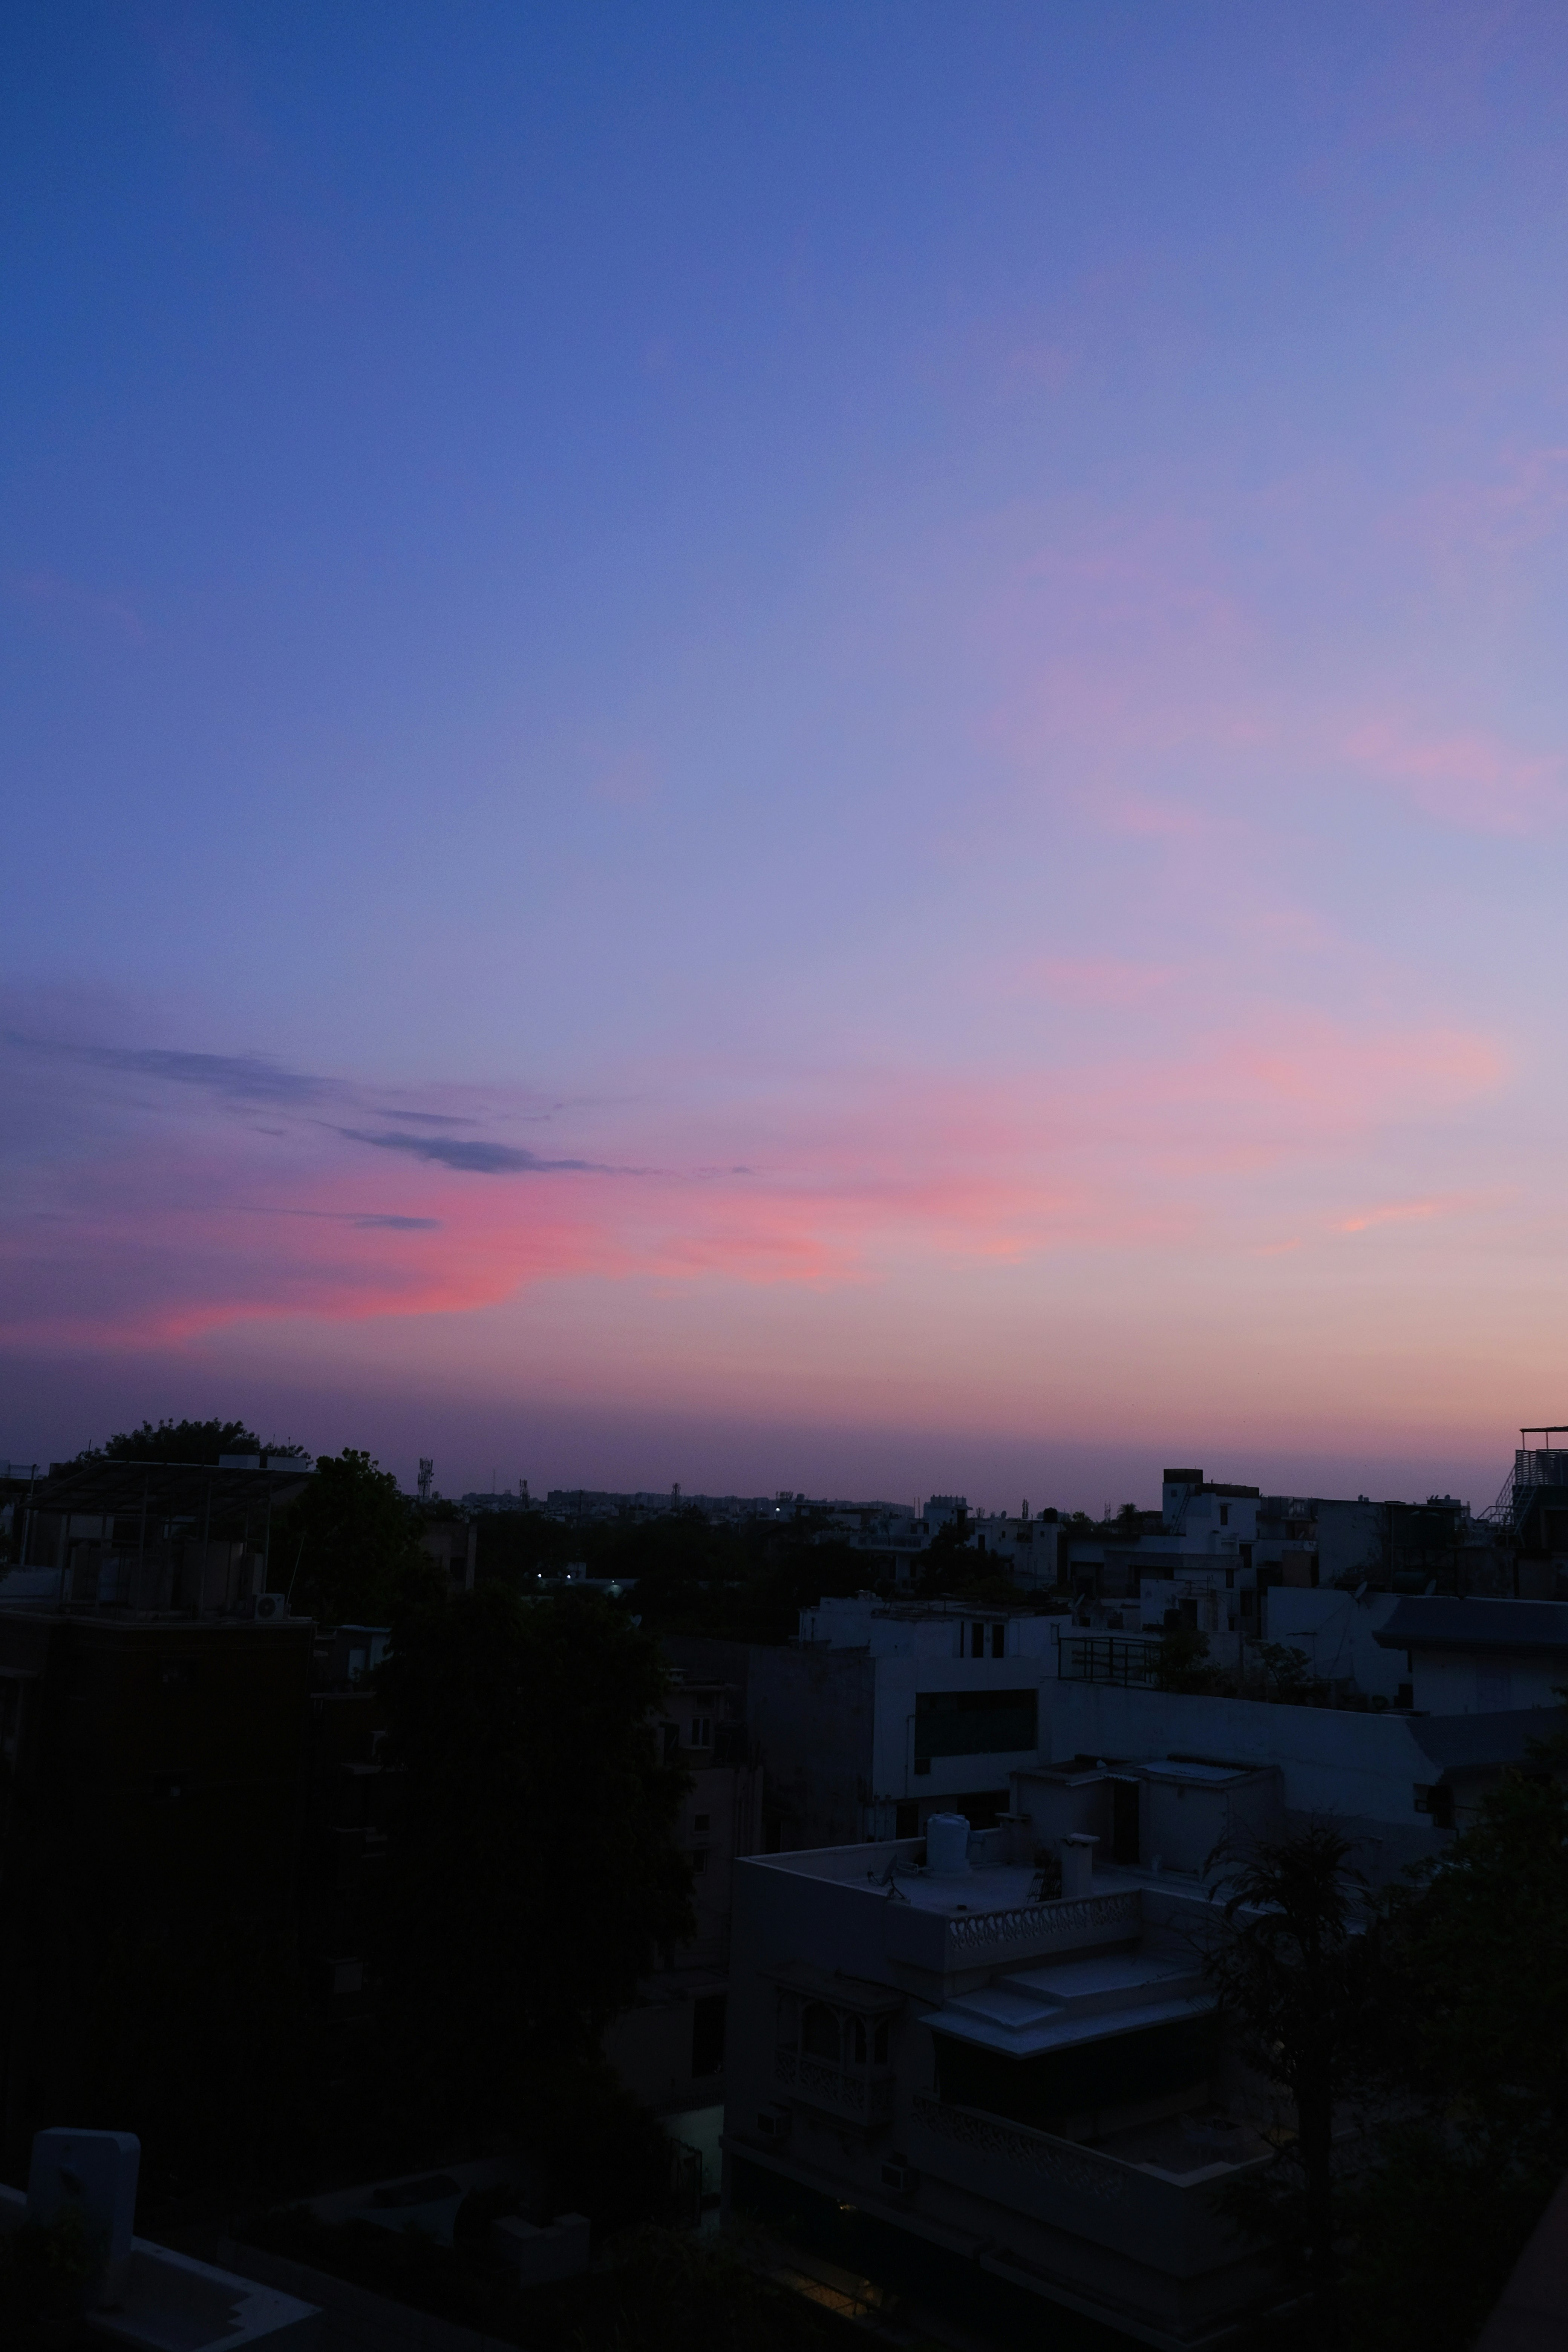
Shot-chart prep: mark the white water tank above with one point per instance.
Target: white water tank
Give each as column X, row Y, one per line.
column 947, row 1844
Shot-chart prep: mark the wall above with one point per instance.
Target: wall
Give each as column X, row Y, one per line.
column 811, row 1712
column 1338, row 1636
column 1450, row 1682
column 1363, row 1768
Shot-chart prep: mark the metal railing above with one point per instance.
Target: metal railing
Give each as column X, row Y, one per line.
column 1129, row 1660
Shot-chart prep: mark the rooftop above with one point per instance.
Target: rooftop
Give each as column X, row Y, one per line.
column 1036, row 2010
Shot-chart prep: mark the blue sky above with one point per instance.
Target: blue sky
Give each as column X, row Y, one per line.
column 901, row 664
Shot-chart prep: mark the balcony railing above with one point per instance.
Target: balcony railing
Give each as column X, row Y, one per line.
column 1061, row 2161
column 1131, row 1662
column 947, row 1943
column 841, row 2091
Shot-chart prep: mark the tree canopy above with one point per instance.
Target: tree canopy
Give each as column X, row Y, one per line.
column 534, row 1867
column 1474, row 2055
column 349, row 1546
column 181, row 1441
column 1296, row 1981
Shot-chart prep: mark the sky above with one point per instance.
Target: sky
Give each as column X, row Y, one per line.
column 790, row 745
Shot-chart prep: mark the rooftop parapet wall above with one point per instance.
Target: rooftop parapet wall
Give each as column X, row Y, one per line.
column 987, row 1937
column 1136, row 2210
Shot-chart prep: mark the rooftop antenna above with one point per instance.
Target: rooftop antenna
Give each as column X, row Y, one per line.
column 427, row 1474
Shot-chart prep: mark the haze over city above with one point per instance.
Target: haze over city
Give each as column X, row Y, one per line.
column 790, row 747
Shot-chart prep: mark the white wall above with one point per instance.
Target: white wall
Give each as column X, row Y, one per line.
column 1337, row 1634
column 1451, row 1682
column 1361, row 1768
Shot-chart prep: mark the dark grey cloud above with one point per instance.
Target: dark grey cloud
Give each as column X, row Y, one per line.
column 475, row 1157
column 236, row 1077
column 421, row 1117
column 363, row 1219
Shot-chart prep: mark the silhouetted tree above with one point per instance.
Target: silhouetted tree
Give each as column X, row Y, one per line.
column 534, row 1872
column 180, row 1441
column 1474, row 2046
column 349, row 1546
column 1296, row 1976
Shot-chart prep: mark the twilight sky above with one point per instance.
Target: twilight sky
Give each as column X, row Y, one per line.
column 788, row 744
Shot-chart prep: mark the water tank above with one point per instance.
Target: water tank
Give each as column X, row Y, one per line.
column 947, row 1844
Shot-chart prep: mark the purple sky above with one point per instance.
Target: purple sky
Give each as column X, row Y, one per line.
column 788, row 746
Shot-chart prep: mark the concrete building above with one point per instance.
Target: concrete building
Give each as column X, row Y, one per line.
column 189, row 1538
column 670, row 2046
column 886, row 1711
column 149, row 2298
column 1531, row 1515
column 1008, row 2096
column 1396, row 1782
column 1478, row 1657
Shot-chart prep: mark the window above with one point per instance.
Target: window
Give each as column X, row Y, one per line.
column 700, row 1823
column 702, row 1731
column 907, row 1819
column 699, row 1859
column 708, row 2034
column 819, row 2032
column 1225, row 1515
column 998, row 1640
column 977, row 1640
column 975, row 1723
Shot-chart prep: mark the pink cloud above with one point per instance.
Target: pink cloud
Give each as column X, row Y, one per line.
column 1101, row 980
column 1402, row 1212
column 1468, row 778
column 173, row 1210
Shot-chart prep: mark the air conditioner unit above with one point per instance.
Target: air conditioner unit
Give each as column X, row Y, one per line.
column 272, row 1607
column 901, row 2178
column 772, row 2123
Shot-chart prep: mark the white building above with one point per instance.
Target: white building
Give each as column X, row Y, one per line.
column 1480, row 1657
column 884, row 1712
column 1012, row 2101
column 1394, row 1780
